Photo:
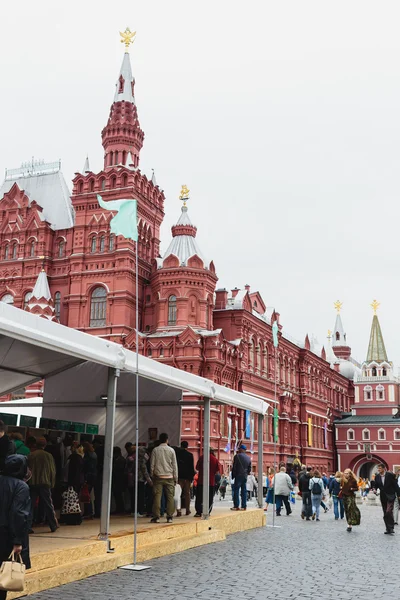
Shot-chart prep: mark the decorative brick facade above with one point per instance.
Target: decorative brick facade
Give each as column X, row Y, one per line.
column 184, row 320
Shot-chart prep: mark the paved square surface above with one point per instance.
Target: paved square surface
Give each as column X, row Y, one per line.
column 300, row 559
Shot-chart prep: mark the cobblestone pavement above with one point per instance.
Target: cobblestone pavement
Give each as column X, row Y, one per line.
column 300, row 559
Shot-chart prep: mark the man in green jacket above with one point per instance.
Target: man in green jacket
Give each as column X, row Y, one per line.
column 43, row 479
column 20, row 447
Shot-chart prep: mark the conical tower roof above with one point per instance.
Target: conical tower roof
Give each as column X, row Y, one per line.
column 41, row 302
column 339, row 336
column 376, row 348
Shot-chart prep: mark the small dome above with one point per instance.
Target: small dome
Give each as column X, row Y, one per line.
column 348, row 369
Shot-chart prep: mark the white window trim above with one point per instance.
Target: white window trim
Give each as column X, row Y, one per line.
column 350, row 439
column 381, row 430
column 366, row 439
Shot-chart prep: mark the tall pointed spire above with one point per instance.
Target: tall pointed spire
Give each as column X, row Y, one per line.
column 339, row 342
column 376, row 347
column 41, row 302
column 86, row 167
column 122, row 132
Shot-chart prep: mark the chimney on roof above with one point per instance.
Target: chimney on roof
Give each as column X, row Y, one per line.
column 221, row 298
column 235, row 292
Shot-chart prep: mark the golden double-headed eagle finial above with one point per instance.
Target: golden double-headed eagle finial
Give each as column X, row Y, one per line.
column 375, row 305
column 338, row 305
column 184, row 195
column 127, row 38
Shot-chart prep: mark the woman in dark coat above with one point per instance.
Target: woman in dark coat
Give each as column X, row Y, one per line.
column 15, row 508
column 75, row 467
column 90, row 473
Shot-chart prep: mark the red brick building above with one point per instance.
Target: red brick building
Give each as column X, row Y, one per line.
column 184, row 320
column 370, row 434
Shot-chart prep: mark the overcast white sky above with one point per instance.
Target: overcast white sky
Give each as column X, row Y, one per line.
column 282, row 118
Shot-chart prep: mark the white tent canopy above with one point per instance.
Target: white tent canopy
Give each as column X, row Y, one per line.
column 32, row 348
column 83, row 373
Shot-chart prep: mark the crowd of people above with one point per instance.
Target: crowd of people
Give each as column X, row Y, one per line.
column 318, row 491
column 40, row 475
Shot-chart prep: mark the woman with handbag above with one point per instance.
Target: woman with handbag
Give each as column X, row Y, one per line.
column 348, row 488
column 15, row 507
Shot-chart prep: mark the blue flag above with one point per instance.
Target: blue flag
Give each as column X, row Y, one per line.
column 275, row 330
column 125, row 221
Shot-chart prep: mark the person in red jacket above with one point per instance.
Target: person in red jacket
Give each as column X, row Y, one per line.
column 214, row 468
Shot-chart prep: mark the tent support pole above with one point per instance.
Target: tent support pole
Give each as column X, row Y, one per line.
column 206, row 459
column 260, row 459
column 113, row 375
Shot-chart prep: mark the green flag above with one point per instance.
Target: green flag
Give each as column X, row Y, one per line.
column 125, row 221
column 276, row 422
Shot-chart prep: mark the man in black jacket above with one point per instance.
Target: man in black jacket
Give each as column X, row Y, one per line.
column 15, row 507
column 386, row 483
column 186, row 473
column 7, row 446
column 304, row 489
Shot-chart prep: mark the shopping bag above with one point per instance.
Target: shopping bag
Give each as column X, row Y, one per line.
column 177, row 496
column 12, row 574
column 84, row 496
column 293, row 497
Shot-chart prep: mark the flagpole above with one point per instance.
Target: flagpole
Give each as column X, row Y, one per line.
column 136, row 406
column 275, row 330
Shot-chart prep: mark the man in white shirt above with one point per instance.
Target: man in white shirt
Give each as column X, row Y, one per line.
column 164, row 472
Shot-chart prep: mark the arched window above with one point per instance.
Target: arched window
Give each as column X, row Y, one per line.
column 381, row 434
column 61, row 249
column 102, row 243
column 7, row 299
column 80, row 187
column 32, row 249
column 111, row 158
column 6, row 252
column 116, row 157
column 365, row 435
column 384, row 372
column 172, row 310
column 57, row 304
column 91, row 185
column 337, row 336
column 350, row 434
column 102, row 184
column 124, row 157
column 124, row 180
column 27, row 297
column 98, row 305
column 373, row 371
column 14, row 251
column 113, row 182
column 93, row 244
column 111, row 242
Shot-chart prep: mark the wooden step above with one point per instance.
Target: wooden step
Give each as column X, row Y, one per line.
column 46, row 578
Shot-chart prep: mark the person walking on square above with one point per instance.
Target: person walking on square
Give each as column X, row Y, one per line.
column 397, row 501
column 348, row 489
column 304, row 490
column 316, row 486
column 269, row 498
column 386, row 482
column 164, row 473
column 15, row 508
column 241, row 469
column 334, row 490
column 283, row 487
column 43, row 480
column 215, row 468
column 186, row 473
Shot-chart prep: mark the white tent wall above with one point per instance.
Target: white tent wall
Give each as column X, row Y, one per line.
column 79, row 395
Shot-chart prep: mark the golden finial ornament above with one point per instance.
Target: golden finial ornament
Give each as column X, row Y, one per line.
column 329, row 333
column 338, row 305
column 127, row 38
column 375, row 305
column 184, row 195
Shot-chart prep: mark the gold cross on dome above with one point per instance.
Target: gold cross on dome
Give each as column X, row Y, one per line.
column 338, row 305
column 184, row 195
column 127, row 38
column 375, row 305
